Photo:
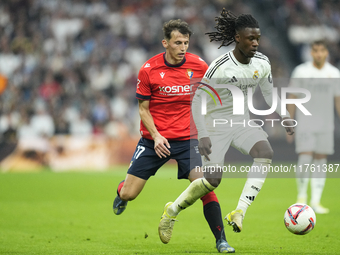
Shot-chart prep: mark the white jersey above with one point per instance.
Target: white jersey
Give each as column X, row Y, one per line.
column 227, row 70
column 324, row 85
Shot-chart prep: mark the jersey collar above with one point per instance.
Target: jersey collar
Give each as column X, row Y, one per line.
column 236, row 62
column 177, row 65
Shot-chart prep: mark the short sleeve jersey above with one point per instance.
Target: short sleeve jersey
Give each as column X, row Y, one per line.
column 227, row 70
column 323, row 84
column 169, row 88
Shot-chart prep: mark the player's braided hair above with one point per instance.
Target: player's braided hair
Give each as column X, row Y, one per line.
column 228, row 24
column 179, row 25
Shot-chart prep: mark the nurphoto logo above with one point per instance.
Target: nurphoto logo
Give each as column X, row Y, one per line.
column 239, row 102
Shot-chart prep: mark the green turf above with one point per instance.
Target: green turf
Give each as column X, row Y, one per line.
column 71, row 213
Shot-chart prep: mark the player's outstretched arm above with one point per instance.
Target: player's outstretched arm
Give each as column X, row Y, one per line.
column 267, row 92
column 161, row 143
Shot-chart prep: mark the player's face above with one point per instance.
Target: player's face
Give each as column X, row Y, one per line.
column 176, row 47
column 248, row 41
column 319, row 54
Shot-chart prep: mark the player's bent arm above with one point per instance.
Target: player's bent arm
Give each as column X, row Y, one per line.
column 149, row 123
column 147, row 118
column 268, row 97
column 267, row 92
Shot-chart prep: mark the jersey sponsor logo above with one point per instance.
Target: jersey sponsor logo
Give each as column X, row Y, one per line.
column 162, row 74
column 256, row 75
column 202, row 85
column 147, row 65
column 175, row 89
column 190, row 73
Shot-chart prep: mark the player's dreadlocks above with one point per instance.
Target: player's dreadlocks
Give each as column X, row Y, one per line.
column 228, row 24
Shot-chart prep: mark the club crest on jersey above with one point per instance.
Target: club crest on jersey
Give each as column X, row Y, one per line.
column 190, row 73
column 256, row 75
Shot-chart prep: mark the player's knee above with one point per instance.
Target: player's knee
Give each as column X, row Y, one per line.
column 263, row 153
column 262, row 149
column 214, row 181
column 268, row 153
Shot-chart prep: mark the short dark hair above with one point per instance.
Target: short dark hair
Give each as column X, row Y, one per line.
column 228, row 24
column 179, row 25
column 319, row 42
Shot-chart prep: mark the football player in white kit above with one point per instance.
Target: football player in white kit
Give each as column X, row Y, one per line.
column 244, row 67
column 314, row 138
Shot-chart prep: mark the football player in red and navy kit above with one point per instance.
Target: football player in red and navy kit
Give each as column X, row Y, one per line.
column 164, row 89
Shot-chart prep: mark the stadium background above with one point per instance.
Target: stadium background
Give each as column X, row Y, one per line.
column 72, row 66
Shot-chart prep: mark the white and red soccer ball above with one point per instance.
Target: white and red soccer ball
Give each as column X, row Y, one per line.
column 300, row 219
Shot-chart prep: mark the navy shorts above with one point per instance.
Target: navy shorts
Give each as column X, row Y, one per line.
column 145, row 162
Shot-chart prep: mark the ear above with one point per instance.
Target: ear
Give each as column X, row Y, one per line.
column 237, row 37
column 165, row 43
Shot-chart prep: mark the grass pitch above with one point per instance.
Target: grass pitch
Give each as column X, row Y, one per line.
column 71, row 213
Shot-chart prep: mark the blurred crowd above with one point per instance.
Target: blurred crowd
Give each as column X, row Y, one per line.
column 72, row 65
column 305, row 21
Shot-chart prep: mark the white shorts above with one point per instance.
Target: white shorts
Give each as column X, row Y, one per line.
column 321, row 143
column 241, row 138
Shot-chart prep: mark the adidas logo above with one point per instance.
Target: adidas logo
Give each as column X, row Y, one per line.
column 233, row 79
column 251, row 198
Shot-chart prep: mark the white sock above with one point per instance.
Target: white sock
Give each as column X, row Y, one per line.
column 197, row 189
column 253, row 184
column 318, row 181
column 302, row 177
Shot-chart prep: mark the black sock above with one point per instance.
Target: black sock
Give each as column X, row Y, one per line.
column 212, row 213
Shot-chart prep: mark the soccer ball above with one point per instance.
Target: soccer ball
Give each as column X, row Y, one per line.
column 300, row 219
